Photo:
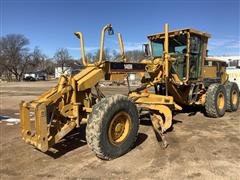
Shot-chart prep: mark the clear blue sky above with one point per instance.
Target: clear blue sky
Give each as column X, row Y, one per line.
column 49, row 24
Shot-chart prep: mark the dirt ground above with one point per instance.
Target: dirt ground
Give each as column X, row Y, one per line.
column 199, row 147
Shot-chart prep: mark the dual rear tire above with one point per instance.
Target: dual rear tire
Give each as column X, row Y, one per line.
column 220, row 98
column 232, row 91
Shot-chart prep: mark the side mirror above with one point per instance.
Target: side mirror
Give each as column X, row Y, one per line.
column 146, row 49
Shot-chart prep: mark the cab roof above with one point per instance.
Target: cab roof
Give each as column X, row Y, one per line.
column 177, row 32
column 214, row 59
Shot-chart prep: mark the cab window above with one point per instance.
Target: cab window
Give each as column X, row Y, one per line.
column 196, row 46
column 157, row 49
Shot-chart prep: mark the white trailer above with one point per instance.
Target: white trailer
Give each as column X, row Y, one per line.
column 234, row 75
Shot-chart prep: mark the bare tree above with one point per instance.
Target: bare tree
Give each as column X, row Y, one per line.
column 135, row 55
column 49, row 66
column 37, row 59
column 106, row 55
column 89, row 57
column 14, row 54
column 115, row 55
column 2, row 68
column 62, row 57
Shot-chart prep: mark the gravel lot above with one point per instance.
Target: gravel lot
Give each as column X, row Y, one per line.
column 199, row 147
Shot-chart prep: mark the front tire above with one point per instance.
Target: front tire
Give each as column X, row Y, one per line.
column 112, row 127
column 215, row 105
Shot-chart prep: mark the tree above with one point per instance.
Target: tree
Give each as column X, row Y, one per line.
column 49, row 66
column 14, row 54
column 134, row 55
column 106, row 55
column 115, row 55
column 62, row 57
column 2, row 68
column 37, row 59
column 89, row 57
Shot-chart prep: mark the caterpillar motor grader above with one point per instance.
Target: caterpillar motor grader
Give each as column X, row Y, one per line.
column 176, row 68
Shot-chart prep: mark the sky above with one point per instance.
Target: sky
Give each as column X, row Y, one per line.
column 50, row 24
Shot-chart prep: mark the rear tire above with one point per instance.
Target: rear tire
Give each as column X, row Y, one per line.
column 112, row 127
column 215, row 105
column 232, row 96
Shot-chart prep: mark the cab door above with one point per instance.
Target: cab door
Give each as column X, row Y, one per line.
column 195, row 57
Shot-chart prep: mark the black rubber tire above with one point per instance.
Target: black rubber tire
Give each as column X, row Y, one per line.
column 230, row 87
column 211, row 107
column 99, row 122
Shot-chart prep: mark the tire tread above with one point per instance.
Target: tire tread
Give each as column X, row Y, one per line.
column 93, row 129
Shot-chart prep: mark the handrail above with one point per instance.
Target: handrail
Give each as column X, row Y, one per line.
column 121, row 47
column 166, row 53
column 166, row 57
column 108, row 26
column 79, row 35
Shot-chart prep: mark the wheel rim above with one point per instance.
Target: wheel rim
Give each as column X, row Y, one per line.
column 234, row 97
column 119, row 128
column 220, row 101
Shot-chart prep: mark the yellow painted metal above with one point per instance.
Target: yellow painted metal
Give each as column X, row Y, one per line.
column 89, row 110
column 214, row 59
column 234, row 97
column 41, row 127
column 71, row 88
column 117, row 76
column 166, row 54
column 166, row 113
column 187, row 58
column 220, row 101
column 209, row 71
column 90, row 79
column 64, row 130
column 79, row 35
column 39, row 137
column 216, row 68
column 157, row 103
column 119, row 128
column 68, row 105
column 121, row 48
column 179, row 31
column 25, row 119
column 102, row 42
column 149, row 98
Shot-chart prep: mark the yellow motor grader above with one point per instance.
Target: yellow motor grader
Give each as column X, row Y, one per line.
column 176, row 67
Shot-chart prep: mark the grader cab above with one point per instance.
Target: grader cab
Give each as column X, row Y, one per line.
column 176, row 67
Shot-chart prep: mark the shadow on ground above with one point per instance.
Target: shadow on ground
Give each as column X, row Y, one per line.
column 74, row 140
column 192, row 110
column 77, row 139
column 140, row 139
